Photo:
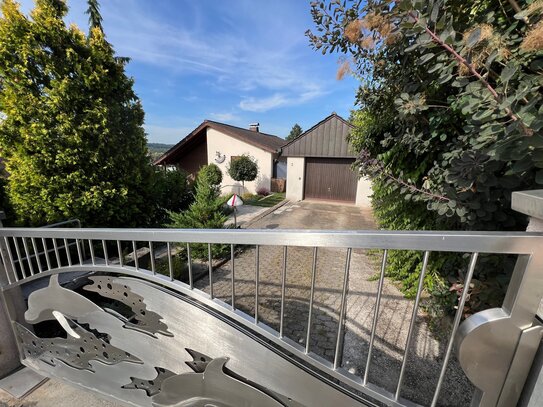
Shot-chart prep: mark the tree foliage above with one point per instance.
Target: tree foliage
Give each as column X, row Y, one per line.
column 72, row 135
column 450, row 108
column 172, row 192
column 212, row 173
column 95, row 18
column 206, row 212
column 244, row 168
column 295, row 132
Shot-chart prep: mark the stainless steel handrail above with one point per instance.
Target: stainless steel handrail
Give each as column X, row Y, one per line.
column 521, row 303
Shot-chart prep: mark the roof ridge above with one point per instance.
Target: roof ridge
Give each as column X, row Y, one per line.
column 241, row 128
column 268, row 142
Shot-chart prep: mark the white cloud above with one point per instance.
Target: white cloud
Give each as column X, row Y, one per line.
column 267, row 62
column 225, row 117
column 278, row 100
column 266, row 70
column 252, row 104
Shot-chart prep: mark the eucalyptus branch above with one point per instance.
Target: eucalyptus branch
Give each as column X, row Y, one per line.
column 414, row 188
column 471, row 69
column 515, row 6
column 375, row 167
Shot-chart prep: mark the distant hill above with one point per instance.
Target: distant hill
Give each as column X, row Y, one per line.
column 157, row 149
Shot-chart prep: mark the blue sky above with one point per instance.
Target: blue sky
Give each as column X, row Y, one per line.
column 236, row 61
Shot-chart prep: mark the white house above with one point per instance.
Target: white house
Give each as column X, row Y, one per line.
column 219, row 143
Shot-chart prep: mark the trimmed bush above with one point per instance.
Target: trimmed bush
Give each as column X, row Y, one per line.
column 244, row 168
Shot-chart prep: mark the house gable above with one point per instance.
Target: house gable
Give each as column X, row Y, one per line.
column 328, row 138
column 263, row 141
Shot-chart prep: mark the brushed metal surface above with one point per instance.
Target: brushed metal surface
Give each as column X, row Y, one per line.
column 133, row 363
column 458, row 241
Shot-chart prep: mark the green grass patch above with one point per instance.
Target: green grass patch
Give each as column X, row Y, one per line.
column 265, row 201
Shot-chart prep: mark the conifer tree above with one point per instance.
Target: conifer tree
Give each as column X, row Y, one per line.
column 72, row 136
column 206, row 212
column 295, row 132
column 95, row 18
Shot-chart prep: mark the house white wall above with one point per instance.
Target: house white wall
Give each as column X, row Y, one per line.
column 229, row 146
column 363, row 192
column 295, row 178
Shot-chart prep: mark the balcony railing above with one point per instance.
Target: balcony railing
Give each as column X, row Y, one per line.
column 494, row 347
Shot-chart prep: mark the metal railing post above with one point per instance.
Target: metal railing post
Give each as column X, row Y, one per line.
column 8, row 273
column 9, row 351
column 496, row 347
column 531, row 203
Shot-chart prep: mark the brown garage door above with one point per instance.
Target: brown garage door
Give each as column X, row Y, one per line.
column 330, row 178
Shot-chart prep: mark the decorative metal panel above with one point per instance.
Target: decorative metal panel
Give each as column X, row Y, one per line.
column 142, row 345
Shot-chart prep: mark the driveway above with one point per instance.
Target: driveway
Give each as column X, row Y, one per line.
column 426, row 353
column 317, row 215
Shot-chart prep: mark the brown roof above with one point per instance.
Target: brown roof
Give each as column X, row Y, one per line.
column 328, row 138
column 266, row 142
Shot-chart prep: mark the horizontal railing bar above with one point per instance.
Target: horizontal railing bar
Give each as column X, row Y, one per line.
column 458, row 241
column 64, row 222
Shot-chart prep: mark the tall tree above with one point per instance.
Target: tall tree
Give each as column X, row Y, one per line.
column 72, row 137
column 295, row 132
column 95, row 18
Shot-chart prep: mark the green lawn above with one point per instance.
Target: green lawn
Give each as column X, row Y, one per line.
column 266, row 201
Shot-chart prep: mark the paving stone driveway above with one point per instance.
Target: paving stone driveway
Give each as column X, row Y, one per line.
column 426, row 353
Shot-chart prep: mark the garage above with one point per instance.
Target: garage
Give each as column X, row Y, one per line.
column 331, row 179
column 319, row 165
